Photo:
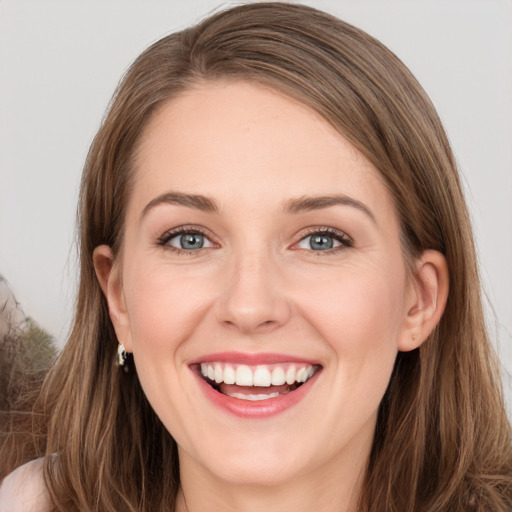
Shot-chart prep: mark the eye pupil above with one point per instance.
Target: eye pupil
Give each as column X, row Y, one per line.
column 191, row 241
column 321, row 242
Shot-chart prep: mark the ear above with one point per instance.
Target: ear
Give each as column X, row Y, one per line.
column 425, row 299
column 108, row 273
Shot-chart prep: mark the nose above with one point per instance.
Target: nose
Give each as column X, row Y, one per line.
column 253, row 299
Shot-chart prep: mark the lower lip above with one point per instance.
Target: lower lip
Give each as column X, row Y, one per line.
column 259, row 408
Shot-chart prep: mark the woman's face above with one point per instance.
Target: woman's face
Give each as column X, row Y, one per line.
column 261, row 250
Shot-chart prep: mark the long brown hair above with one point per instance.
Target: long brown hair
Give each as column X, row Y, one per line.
column 442, row 440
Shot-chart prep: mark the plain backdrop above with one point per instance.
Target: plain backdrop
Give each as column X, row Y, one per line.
column 61, row 60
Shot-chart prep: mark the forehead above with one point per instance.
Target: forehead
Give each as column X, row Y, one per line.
column 237, row 140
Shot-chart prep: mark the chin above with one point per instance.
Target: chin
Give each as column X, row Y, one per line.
column 244, row 458
column 262, row 471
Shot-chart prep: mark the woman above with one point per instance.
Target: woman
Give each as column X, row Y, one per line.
column 275, row 247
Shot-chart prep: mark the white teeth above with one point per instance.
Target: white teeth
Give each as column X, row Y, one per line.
column 259, row 376
column 302, row 375
column 290, row 375
column 229, row 375
column 253, row 398
column 219, row 377
column 278, row 378
column 244, row 376
column 262, row 377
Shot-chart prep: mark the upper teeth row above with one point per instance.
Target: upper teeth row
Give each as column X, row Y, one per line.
column 261, row 375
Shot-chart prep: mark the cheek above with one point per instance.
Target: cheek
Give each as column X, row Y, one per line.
column 359, row 315
column 358, row 302
column 163, row 307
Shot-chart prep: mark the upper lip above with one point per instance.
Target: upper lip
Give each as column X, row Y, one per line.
column 252, row 358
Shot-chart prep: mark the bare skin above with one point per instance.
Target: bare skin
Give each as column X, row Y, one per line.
column 256, row 283
column 323, row 281
column 24, row 490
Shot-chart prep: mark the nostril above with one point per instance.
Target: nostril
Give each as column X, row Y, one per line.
column 252, row 305
column 266, row 324
column 248, row 326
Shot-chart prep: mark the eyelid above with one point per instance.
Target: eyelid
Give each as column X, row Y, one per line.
column 343, row 238
column 163, row 240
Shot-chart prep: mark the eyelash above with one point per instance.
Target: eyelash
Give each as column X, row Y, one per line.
column 345, row 240
column 163, row 241
column 341, row 237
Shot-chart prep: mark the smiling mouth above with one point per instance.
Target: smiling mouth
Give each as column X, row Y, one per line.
column 256, row 383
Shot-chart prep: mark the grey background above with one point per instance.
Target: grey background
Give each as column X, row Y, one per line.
column 61, row 60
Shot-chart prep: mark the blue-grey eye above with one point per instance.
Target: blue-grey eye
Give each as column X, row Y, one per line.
column 189, row 241
column 322, row 241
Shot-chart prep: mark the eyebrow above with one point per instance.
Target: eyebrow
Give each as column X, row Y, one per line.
column 298, row 205
column 307, row 203
column 196, row 201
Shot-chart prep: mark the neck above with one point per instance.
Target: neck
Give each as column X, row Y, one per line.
column 335, row 488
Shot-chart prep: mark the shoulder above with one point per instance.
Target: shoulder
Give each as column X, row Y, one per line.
column 24, row 490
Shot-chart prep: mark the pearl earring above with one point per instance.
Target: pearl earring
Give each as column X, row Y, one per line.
column 121, row 355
